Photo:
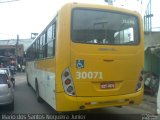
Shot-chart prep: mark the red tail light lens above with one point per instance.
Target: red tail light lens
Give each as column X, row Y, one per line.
column 67, row 81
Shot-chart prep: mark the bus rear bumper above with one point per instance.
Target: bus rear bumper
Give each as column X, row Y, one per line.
column 70, row 103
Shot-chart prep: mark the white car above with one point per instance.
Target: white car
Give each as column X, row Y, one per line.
column 10, row 74
column 6, row 90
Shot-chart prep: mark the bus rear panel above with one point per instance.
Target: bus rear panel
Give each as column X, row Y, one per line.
column 105, row 63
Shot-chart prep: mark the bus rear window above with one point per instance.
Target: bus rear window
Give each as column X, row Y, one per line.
column 104, row 27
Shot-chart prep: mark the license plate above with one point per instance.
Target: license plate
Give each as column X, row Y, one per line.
column 107, row 85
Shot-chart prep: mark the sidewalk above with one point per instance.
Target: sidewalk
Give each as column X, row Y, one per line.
column 148, row 104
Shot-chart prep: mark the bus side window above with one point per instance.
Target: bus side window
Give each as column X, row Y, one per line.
column 44, row 45
column 37, row 49
column 51, row 41
column 41, row 47
column 54, row 38
column 49, row 44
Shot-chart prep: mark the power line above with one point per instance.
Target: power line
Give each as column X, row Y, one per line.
column 6, row 1
column 6, row 34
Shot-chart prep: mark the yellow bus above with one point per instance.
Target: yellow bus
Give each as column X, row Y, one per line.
column 89, row 56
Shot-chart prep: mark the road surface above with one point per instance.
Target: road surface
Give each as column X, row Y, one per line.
column 26, row 104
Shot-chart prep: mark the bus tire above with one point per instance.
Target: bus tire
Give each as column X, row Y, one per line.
column 39, row 99
column 11, row 106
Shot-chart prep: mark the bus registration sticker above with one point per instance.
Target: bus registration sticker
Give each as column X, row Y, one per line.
column 109, row 85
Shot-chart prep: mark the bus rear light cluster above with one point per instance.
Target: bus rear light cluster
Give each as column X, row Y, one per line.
column 68, row 82
column 140, row 81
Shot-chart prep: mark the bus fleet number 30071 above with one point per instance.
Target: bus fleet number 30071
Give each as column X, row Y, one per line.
column 89, row 75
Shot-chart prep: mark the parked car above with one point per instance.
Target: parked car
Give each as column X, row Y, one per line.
column 10, row 74
column 6, row 90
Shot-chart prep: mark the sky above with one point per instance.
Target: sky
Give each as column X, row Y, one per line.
column 24, row 17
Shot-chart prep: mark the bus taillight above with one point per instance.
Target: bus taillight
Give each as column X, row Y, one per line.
column 66, row 73
column 68, row 82
column 70, row 89
column 140, row 81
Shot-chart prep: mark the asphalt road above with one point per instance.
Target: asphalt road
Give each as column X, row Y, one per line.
column 25, row 103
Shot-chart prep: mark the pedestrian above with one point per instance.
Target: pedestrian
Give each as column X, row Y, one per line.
column 12, row 68
column 19, row 68
column 23, row 68
column 1, row 66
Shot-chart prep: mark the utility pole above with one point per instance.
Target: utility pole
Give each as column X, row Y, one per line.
column 6, row 1
column 17, row 40
column 16, row 49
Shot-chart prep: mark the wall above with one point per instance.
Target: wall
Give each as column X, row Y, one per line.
column 152, row 61
column 151, row 38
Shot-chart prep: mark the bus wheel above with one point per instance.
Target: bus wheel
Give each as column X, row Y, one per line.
column 11, row 106
column 39, row 99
